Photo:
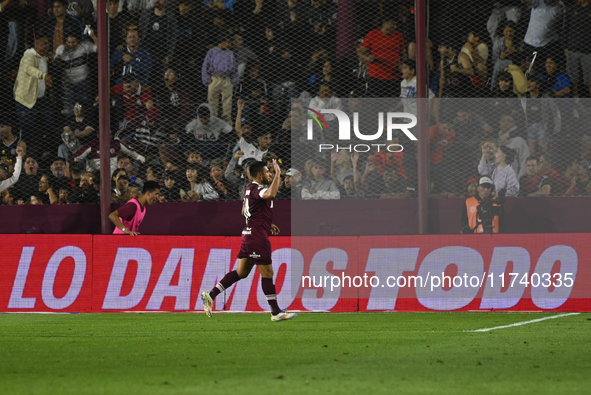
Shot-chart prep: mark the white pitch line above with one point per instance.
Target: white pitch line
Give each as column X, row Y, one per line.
column 523, row 323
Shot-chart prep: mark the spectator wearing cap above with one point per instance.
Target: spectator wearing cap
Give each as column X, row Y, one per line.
column 542, row 116
column 291, row 188
column 58, row 25
column 508, row 136
column 381, row 51
column 577, row 45
column 501, row 173
column 220, row 74
column 60, row 175
column 197, row 189
column 131, row 59
column 158, row 29
column 532, row 183
column 319, row 188
column 471, row 223
column 209, row 132
column 33, row 107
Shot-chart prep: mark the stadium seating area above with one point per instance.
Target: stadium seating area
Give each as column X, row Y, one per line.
column 200, row 88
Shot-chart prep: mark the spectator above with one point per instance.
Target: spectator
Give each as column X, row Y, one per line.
column 509, row 137
column 124, row 161
column 559, row 182
column 170, row 192
column 119, row 20
column 326, row 76
column 121, row 192
column 209, row 132
column 159, row 30
column 220, row 74
column 544, row 26
column 10, row 142
column 292, row 185
column 502, row 175
column 77, row 132
column 133, row 59
column 394, row 186
column 197, row 190
column 504, row 99
column 236, row 175
column 580, row 184
column 326, row 100
column 471, row 129
column 36, row 200
column 216, row 178
column 534, row 184
column 262, row 137
column 32, row 104
column 145, row 136
column 284, row 83
column 243, row 55
column 381, row 51
column 577, row 45
column 16, row 18
column 28, row 182
column 408, row 90
column 502, row 15
column 538, row 111
column 220, row 4
column 457, row 78
column 189, row 39
column 557, row 83
column 60, row 175
column 322, row 21
column 504, row 50
column 88, row 190
column 341, row 166
column 441, row 138
column 90, row 153
column 46, row 193
column 319, row 188
column 477, row 53
column 58, row 26
column 82, row 10
column 5, row 181
column 137, row 100
column 253, row 91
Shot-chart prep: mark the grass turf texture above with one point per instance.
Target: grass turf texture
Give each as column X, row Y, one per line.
column 415, row 353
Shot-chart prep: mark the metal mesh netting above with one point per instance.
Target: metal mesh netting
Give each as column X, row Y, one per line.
column 198, row 88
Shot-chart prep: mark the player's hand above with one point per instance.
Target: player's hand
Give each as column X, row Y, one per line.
column 129, row 232
column 276, row 167
column 274, row 230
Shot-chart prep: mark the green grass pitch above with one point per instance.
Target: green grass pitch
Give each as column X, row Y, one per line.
column 358, row 353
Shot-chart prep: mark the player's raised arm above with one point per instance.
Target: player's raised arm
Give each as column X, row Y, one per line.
column 271, row 192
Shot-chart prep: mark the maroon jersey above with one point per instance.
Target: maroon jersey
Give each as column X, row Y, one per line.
column 258, row 214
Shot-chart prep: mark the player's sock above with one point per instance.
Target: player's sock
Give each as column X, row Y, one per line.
column 269, row 291
column 227, row 281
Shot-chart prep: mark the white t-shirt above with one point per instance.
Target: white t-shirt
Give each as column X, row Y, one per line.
column 408, row 94
column 76, row 63
column 250, row 151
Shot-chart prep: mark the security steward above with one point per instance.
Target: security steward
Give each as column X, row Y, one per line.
column 474, row 218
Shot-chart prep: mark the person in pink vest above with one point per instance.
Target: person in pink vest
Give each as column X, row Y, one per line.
column 128, row 218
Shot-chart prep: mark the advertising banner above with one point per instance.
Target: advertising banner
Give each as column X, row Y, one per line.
column 83, row 273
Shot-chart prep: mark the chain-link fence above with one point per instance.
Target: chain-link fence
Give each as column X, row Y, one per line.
column 200, row 88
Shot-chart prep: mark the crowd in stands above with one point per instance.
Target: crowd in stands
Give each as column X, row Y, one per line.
column 200, row 89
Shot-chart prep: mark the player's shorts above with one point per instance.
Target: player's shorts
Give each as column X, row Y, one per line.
column 257, row 253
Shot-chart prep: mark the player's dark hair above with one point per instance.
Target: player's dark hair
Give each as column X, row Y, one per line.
column 150, row 186
column 256, row 167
